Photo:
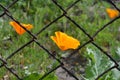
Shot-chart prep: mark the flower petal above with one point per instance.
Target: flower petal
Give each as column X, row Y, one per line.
column 19, row 29
column 54, row 39
column 112, row 13
column 65, row 42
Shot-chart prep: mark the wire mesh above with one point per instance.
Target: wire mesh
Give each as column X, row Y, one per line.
column 34, row 39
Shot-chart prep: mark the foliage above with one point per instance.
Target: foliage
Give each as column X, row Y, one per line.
column 89, row 14
column 36, row 76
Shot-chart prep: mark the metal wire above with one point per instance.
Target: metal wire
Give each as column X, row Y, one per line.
column 34, row 39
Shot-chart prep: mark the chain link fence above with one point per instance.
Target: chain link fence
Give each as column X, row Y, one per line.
column 35, row 39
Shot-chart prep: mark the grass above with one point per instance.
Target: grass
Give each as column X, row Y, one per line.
column 33, row 59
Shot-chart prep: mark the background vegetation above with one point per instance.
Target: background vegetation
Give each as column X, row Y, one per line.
column 34, row 60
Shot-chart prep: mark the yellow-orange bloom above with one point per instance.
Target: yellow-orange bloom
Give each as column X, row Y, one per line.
column 65, row 42
column 19, row 29
column 112, row 13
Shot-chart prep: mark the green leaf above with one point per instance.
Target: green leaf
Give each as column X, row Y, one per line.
column 51, row 77
column 97, row 64
column 36, row 76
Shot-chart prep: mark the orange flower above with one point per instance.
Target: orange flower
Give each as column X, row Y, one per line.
column 112, row 13
column 65, row 42
column 19, row 29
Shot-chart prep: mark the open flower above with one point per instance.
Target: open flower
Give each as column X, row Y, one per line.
column 112, row 13
column 65, row 42
column 19, row 29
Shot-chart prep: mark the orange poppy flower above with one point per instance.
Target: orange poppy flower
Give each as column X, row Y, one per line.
column 19, row 29
column 112, row 13
column 65, row 42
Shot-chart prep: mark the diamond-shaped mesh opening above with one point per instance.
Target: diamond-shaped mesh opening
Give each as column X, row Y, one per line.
column 32, row 59
column 63, row 25
column 9, row 39
column 108, row 39
column 90, row 17
column 96, row 60
column 37, row 13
